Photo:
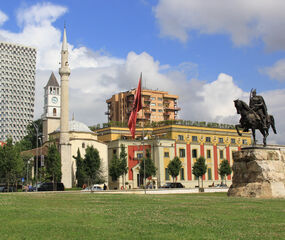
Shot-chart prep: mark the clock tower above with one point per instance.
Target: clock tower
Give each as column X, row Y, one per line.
column 51, row 115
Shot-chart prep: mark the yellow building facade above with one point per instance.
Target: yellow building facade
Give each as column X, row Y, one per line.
column 188, row 142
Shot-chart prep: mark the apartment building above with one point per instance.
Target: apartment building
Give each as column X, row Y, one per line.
column 157, row 106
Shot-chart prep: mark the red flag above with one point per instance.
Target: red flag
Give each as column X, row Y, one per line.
column 137, row 105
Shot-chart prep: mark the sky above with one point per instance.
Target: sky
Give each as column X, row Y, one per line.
column 208, row 52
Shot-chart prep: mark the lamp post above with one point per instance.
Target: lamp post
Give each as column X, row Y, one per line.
column 41, row 144
column 37, row 163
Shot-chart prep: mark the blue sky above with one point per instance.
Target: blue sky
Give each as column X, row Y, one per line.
column 208, row 52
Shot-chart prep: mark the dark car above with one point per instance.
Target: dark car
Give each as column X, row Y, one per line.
column 50, row 187
column 5, row 189
column 173, row 185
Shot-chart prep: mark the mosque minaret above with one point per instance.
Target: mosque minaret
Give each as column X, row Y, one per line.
column 65, row 147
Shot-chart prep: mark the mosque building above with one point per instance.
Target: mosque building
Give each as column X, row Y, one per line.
column 68, row 135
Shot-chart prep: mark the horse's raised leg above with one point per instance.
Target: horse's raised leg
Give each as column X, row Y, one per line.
column 264, row 134
column 237, row 126
column 253, row 135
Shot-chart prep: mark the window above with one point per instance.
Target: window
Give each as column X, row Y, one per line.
column 182, row 174
column 209, row 174
column 54, row 112
column 152, row 104
column 159, row 99
column 221, row 154
column 194, row 139
column 83, row 145
column 159, row 104
column 221, row 140
column 139, row 156
column 208, row 139
column 194, row 153
column 166, row 174
column 244, row 141
column 160, row 110
column 233, row 141
column 166, row 154
column 180, row 137
column 114, row 151
column 208, row 153
column 152, row 98
column 153, row 110
column 182, row 152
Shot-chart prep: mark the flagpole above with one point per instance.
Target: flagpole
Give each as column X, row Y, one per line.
column 143, row 139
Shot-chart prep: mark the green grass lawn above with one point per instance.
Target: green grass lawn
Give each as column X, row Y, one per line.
column 118, row 216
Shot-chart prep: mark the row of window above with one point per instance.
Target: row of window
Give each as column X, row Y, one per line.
column 208, row 139
column 194, row 153
column 154, row 110
column 154, row 98
column 154, row 104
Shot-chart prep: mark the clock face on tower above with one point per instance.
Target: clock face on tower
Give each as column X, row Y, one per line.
column 54, row 100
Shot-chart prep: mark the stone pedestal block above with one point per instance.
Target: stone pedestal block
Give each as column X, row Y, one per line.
column 258, row 172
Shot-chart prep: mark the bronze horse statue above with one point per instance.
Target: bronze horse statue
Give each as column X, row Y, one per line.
column 250, row 120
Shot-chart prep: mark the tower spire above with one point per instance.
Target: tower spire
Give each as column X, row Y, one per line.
column 64, row 40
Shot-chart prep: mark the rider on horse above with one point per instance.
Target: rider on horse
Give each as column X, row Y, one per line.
column 257, row 104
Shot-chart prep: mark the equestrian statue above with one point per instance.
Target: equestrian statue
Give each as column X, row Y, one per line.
column 254, row 116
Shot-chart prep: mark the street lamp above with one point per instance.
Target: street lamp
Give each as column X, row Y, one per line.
column 37, row 163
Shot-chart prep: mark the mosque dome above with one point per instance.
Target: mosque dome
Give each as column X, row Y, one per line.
column 75, row 126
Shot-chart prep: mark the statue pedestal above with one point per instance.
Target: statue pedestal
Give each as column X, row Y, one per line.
column 258, row 172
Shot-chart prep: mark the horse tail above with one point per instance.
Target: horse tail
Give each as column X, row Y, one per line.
column 272, row 123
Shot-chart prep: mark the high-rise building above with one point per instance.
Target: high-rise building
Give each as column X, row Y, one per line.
column 17, row 87
column 157, row 106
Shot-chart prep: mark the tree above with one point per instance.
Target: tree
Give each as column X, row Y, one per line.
column 114, row 169
column 174, row 167
column 11, row 163
column 224, row 169
column 150, row 169
column 92, row 164
column 199, row 169
column 123, row 163
column 80, row 169
column 30, row 140
column 53, row 164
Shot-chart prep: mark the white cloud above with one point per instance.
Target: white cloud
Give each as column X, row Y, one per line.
column 96, row 76
column 3, row 18
column 243, row 20
column 40, row 14
column 277, row 71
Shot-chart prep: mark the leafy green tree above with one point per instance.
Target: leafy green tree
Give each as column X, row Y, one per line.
column 150, row 169
column 174, row 167
column 53, row 164
column 224, row 169
column 30, row 140
column 11, row 163
column 199, row 169
column 92, row 164
column 123, row 163
column 80, row 169
column 114, row 169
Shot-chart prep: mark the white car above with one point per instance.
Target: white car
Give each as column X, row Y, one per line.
column 95, row 187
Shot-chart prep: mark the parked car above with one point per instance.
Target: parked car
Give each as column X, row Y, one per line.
column 5, row 189
column 95, row 187
column 50, row 187
column 173, row 185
